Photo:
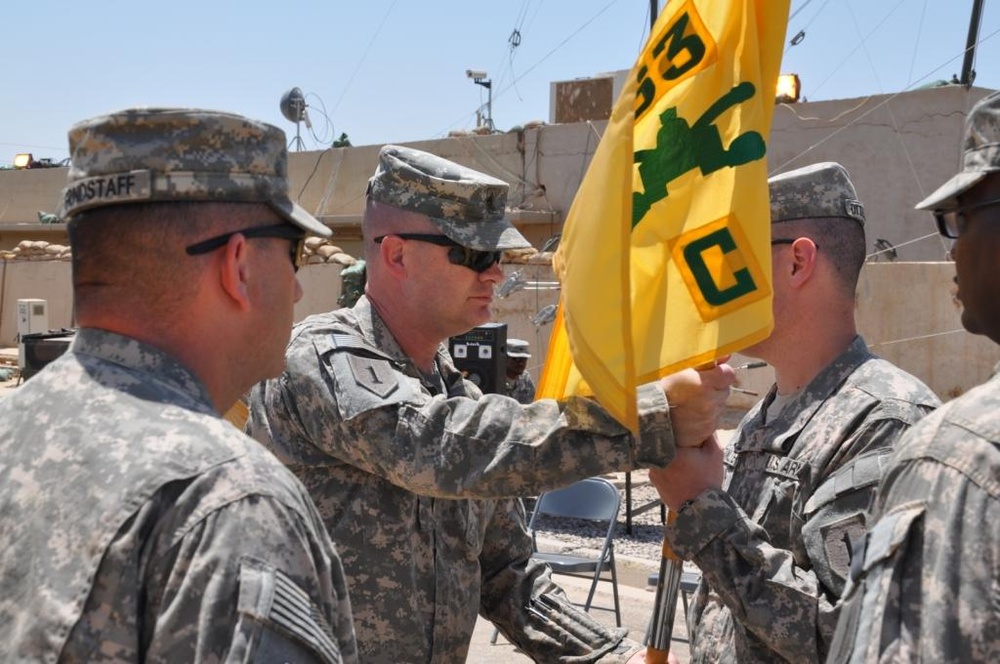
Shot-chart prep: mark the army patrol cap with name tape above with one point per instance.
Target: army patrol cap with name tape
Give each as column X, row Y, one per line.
column 144, row 155
column 980, row 155
column 466, row 205
column 817, row 191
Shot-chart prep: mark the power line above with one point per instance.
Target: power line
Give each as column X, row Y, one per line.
column 371, row 42
column 539, row 62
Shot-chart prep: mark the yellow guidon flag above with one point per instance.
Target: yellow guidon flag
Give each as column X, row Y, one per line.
column 665, row 260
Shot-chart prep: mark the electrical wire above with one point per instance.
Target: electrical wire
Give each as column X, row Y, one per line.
column 916, row 43
column 328, row 129
column 917, row 338
column 781, row 167
column 802, row 31
column 499, row 93
column 878, row 26
column 902, row 244
column 371, row 42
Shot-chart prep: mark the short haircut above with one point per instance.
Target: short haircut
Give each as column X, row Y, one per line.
column 131, row 257
column 840, row 239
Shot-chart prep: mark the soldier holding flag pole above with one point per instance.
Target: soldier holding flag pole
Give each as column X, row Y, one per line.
column 675, row 200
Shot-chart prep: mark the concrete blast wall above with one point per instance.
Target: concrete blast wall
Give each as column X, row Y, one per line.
column 907, row 313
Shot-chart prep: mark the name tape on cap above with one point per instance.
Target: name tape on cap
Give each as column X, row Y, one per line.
column 105, row 189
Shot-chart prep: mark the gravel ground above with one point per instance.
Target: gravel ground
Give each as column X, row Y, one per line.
column 643, row 547
column 644, row 544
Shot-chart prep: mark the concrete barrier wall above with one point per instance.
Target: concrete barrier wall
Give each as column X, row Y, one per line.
column 897, row 148
column 907, row 313
column 48, row 280
column 52, row 281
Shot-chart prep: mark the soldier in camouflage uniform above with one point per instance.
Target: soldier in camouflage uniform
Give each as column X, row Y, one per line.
column 138, row 525
column 773, row 540
column 923, row 586
column 518, row 383
column 415, row 471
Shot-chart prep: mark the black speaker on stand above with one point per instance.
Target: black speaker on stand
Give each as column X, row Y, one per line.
column 481, row 354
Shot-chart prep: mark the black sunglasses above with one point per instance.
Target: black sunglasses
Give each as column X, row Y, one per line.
column 790, row 240
column 951, row 223
column 283, row 231
column 458, row 254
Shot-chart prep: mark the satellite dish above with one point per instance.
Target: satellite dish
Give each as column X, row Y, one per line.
column 293, row 105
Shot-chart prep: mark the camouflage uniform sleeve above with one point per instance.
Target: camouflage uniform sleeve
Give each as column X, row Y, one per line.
column 788, row 597
column 523, row 389
column 923, row 586
column 251, row 582
column 366, row 413
column 520, row 598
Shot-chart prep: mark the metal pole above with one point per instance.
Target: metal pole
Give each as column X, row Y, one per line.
column 668, row 586
column 968, row 75
column 489, row 105
column 668, row 583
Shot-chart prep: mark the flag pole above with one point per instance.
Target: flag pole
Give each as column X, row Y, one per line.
column 668, row 585
column 668, row 582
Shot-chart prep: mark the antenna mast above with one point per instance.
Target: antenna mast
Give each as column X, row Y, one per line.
column 293, row 107
column 968, row 74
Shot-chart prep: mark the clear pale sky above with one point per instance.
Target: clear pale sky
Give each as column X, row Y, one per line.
column 390, row 71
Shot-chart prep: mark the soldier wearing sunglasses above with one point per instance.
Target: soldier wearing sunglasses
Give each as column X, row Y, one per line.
column 138, row 525
column 416, row 472
column 923, row 585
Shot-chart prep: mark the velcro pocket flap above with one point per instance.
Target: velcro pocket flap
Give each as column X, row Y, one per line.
column 891, row 531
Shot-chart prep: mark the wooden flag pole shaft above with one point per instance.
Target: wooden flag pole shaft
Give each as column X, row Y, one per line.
column 665, row 604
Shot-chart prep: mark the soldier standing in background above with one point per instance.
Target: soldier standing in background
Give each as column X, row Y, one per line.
column 518, row 383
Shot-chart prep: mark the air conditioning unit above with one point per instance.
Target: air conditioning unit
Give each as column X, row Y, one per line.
column 32, row 318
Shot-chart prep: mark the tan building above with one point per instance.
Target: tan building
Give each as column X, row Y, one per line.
column 896, row 147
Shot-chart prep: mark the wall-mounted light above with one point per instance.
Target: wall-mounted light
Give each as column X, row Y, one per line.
column 23, row 160
column 788, row 89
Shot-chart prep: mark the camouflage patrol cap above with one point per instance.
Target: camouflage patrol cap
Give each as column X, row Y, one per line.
column 980, row 154
column 179, row 154
column 517, row 348
column 465, row 205
column 814, row 192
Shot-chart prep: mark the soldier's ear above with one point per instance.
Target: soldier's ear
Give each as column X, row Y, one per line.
column 804, row 253
column 234, row 271
column 392, row 255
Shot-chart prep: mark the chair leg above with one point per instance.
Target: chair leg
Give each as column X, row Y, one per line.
column 628, row 503
column 614, row 590
column 593, row 589
column 493, row 639
column 687, row 623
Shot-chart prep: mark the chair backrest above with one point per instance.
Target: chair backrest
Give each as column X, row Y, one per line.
column 593, row 498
